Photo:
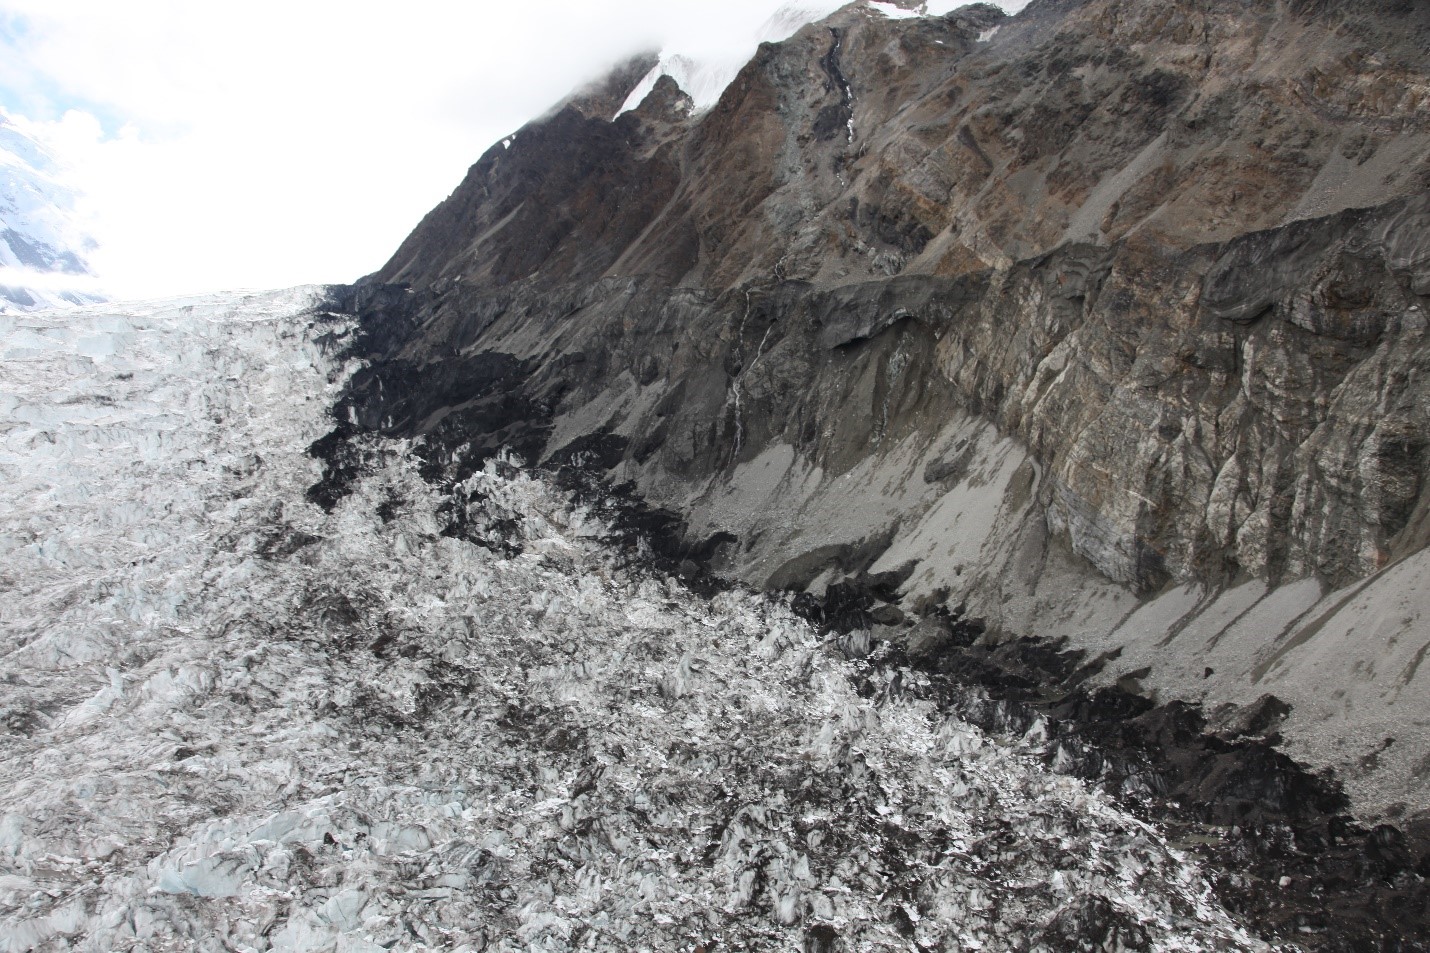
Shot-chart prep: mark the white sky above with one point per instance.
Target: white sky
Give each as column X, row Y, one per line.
column 279, row 142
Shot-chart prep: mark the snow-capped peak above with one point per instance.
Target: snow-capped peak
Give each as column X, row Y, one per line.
column 703, row 78
column 42, row 241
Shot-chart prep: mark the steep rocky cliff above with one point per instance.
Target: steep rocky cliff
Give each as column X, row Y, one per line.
column 1104, row 323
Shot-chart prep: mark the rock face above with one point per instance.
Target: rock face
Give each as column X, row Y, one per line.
column 1106, row 321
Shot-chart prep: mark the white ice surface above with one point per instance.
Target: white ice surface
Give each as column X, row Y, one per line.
column 232, row 721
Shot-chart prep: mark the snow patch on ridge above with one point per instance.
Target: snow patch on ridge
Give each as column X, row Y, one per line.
column 893, row 11
column 934, row 8
column 704, row 78
column 702, row 81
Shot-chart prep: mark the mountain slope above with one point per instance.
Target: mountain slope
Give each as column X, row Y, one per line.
column 1105, row 325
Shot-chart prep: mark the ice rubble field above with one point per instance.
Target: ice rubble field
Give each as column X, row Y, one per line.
column 234, row 722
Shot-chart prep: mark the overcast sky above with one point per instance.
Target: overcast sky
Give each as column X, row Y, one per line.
column 279, row 142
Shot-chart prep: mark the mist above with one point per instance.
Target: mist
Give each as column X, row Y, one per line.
column 272, row 144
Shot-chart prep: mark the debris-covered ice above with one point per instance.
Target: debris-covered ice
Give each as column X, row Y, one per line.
column 234, row 722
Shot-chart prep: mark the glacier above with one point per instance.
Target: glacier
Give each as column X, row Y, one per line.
column 233, row 721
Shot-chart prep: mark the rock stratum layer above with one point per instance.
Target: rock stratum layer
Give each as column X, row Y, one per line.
column 1105, row 322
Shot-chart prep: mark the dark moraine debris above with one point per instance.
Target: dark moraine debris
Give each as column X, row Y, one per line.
column 1288, row 855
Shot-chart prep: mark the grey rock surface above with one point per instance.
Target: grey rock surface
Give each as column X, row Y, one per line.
column 1110, row 328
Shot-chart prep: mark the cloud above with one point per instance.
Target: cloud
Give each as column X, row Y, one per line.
column 274, row 143
column 56, row 281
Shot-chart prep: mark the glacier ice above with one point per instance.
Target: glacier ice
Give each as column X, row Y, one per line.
column 232, row 721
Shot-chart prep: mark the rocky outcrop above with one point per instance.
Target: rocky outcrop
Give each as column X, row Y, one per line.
column 1106, row 321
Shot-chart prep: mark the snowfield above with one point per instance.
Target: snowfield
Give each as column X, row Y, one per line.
column 43, row 240
column 231, row 721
